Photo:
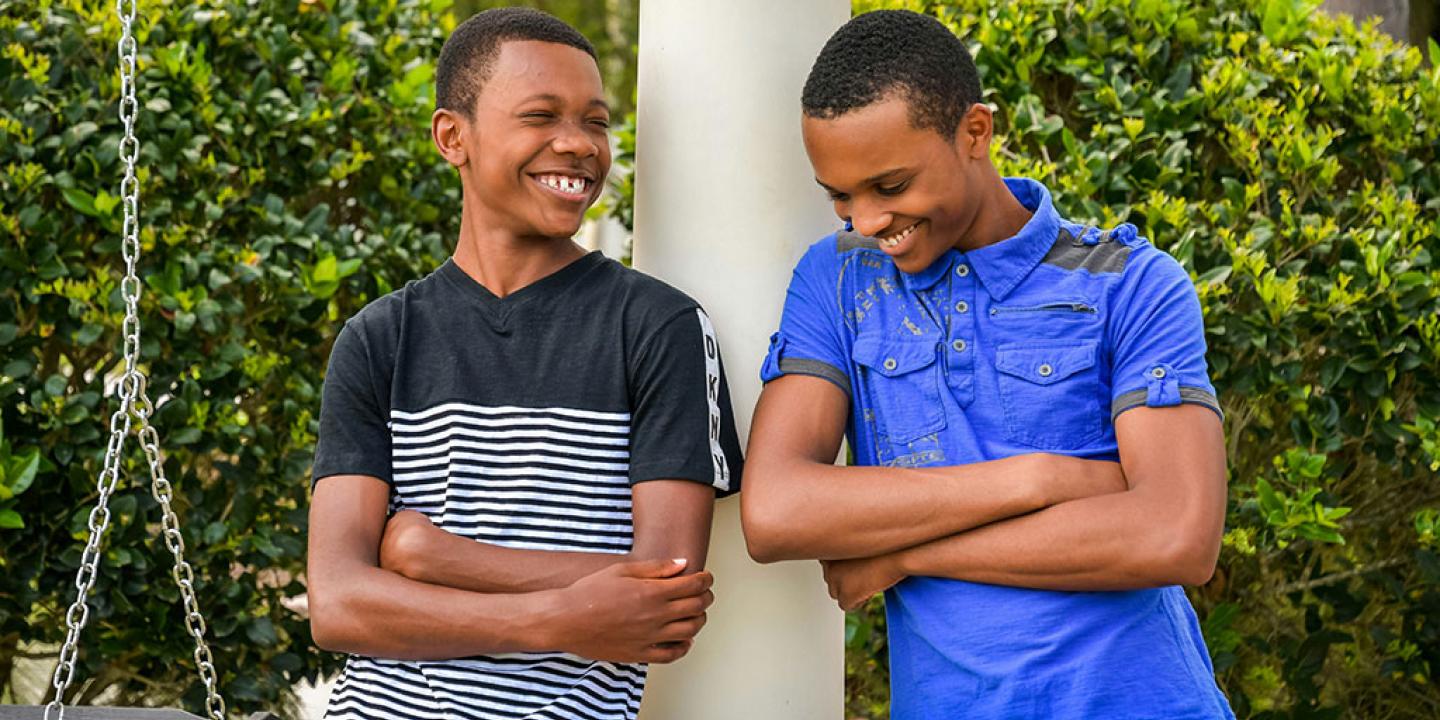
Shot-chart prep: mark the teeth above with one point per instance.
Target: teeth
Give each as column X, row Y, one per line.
column 565, row 184
column 894, row 240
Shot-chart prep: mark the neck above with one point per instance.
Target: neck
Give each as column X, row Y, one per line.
column 503, row 261
column 999, row 216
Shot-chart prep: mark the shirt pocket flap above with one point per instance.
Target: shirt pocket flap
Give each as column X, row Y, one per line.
column 1045, row 364
column 893, row 356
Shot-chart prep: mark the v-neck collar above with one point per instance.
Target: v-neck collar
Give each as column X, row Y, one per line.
column 498, row 311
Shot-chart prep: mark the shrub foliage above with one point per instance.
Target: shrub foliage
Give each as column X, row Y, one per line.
column 286, row 177
column 1286, row 157
column 1289, row 160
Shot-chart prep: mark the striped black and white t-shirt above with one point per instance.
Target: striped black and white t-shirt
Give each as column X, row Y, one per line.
column 523, row 421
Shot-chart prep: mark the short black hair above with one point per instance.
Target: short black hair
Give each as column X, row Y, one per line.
column 894, row 51
column 469, row 53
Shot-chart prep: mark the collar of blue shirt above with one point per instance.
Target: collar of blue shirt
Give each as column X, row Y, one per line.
column 1001, row 267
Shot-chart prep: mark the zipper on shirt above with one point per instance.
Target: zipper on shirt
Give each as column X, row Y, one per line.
column 1070, row 307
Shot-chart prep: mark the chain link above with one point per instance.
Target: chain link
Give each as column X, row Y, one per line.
column 133, row 414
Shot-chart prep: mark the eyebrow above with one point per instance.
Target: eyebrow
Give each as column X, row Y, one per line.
column 867, row 181
column 551, row 97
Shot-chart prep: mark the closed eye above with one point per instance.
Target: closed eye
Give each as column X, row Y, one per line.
column 895, row 189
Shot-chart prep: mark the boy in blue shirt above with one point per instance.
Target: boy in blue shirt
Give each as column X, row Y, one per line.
column 1039, row 461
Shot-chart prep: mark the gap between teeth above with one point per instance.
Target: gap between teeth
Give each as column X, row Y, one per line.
column 565, row 184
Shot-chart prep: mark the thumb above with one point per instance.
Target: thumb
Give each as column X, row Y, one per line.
column 654, row 568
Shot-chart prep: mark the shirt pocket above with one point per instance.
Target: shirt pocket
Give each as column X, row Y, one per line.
column 902, row 381
column 1051, row 393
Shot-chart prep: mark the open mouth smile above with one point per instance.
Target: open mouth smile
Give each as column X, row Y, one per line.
column 891, row 242
column 568, row 187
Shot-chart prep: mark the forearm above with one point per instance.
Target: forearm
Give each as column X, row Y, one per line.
column 817, row 511
column 1121, row 541
column 458, row 562
column 671, row 520
column 366, row 610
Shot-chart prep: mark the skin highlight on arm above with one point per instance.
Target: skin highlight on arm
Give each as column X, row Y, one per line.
column 671, row 521
column 642, row 611
column 798, row 505
column 1164, row 530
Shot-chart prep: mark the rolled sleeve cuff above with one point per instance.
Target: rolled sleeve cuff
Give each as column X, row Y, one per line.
column 1184, row 395
column 777, row 364
column 815, row 368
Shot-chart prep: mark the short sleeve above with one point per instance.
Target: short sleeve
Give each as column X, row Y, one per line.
column 809, row 339
column 354, row 438
column 682, row 426
column 1157, row 336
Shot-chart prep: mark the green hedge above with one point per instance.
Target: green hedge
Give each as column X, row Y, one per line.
column 287, row 177
column 1289, row 160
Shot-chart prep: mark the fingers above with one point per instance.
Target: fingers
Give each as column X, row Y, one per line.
column 666, row 653
column 683, row 630
column 653, row 568
column 691, row 606
column 687, row 586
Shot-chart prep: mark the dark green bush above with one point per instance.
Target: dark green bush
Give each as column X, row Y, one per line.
column 286, row 178
column 1289, row 160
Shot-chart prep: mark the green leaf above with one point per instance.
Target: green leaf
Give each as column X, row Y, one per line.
column 80, row 200
column 1270, row 502
column 22, row 470
column 10, row 520
column 186, row 436
column 261, row 632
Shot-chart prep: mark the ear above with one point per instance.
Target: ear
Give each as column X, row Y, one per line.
column 976, row 129
column 447, row 130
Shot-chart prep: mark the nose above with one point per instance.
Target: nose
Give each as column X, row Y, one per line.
column 870, row 221
column 571, row 139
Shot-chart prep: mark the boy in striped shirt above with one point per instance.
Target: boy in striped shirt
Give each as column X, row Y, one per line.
column 519, row 453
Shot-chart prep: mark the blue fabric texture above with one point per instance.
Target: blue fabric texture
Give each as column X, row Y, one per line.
column 1034, row 344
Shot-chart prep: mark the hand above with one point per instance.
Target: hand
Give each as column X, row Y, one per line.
column 642, row 611
column 403, row 546
column 1062, row 478
column 852, row 582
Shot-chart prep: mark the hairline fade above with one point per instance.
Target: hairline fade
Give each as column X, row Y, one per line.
column 468, row 56
column 894, row 53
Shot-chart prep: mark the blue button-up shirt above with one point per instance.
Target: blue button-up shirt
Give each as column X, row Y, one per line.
column 1034, row 344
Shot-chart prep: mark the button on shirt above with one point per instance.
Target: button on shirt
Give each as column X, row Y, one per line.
column 1033, row 344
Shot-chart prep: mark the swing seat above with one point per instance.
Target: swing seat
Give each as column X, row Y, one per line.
column 37, row 712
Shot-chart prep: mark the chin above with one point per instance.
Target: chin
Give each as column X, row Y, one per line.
column 910, row 265
column 559, row 230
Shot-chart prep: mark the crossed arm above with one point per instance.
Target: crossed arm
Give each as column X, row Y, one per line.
column 1037, row 521
column 414, row 591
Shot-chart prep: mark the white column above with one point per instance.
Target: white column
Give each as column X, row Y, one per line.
column 725, row 203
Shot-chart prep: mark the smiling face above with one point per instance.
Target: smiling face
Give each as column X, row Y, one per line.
column 535, row 154
column 911, row 188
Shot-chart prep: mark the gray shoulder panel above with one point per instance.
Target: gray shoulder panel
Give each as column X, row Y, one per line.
column 847, row 240
column 1104, row 256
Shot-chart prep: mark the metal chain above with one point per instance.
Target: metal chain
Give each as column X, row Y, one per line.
column 134, row 413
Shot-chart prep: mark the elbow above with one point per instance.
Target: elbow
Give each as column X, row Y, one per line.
column 328, row 627
column 323, row 630
column 763, row 521
column 1188, row 559
column 763, row 538
column 763, row 549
